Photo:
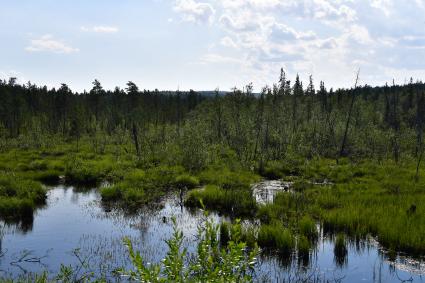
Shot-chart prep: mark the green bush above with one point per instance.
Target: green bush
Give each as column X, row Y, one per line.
column 224, row 233
column 211, row 263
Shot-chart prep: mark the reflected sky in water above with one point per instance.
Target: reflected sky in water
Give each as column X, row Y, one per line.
column 74, row 226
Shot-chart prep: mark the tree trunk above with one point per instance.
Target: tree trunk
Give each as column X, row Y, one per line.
column 347, row 124
column 136, row 140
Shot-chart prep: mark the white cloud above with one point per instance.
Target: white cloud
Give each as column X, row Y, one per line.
column 47, row 43
column 282, row 32
column 228, row 42
column 360, row 34
column 300, row 35
column 384, row 5
column 239, row 24
column 329, row 43
column 217, row 58
column 100, row 29
column 194, row 11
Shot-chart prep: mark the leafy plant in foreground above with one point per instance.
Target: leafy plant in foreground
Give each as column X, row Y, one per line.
column 212, row 262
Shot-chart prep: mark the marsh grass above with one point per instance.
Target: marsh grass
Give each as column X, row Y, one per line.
column 276, row 236
column 237, row 202
column 358, row 198
column 304, row 247
column 307, row 228
column 227, row 179
column 340, row 250
column 186, row 181
column 140, row 187
column 18, row 197
column 366, row 198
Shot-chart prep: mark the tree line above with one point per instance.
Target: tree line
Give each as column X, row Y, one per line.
column 285, row 119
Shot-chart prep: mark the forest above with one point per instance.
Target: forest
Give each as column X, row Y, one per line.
column 353, row 158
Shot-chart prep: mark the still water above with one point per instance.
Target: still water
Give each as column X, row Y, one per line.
column 75, row 229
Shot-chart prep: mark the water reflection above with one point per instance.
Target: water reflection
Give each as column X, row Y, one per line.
column 76, row 226
column 265, row 191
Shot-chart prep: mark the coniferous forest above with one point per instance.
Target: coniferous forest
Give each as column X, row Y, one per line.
column 351, row 161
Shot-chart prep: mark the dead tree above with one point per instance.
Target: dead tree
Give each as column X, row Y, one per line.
column 350, row 111
column 136, row 139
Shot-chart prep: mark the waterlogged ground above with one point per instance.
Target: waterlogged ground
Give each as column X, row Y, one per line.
column 74, row 229
column 265, row 191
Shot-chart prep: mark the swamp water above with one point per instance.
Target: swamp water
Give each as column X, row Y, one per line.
column 74, row 228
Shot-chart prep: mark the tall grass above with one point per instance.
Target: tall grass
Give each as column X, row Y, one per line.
column 237, row 202
column 382, row 200
column 340, row 250
column 143, row 186
column 18, row 197
column 275, row 236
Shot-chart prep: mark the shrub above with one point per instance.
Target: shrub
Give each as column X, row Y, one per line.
column 224, row 233
column 210, row 264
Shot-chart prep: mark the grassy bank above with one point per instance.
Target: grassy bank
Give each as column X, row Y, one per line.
column 382, row 200
column 19, row 197
column 140, row 187
column 357, row 198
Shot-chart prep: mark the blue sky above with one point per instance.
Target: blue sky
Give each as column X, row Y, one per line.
column 202, row 44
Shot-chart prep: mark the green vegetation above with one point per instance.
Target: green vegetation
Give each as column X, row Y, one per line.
column 276, row 236
column 307, row 228
column 363, row 199
column 19, row 198
column 354, row 155
column 340, row 249
column 213, row 262
column 238, row 202
column 143, row 186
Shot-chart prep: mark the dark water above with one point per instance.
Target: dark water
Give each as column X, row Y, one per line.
column 74, row 228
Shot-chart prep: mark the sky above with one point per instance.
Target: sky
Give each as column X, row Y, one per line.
column 209, row 44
